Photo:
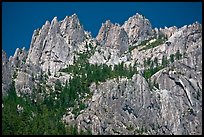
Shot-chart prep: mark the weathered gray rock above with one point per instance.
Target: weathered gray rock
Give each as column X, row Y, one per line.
column 135, row 106
column 181, row 103
column 186, row 39
column 37, row 44
column 6, row 74
column 116, row 106
column 52, row 46
column 168, row 103
column 19, row 58
column 106, row 55
column 18, row 61
column 72, row 30
column 23, row 83
column 138, row 29
column 113, row 35
column 167, row 32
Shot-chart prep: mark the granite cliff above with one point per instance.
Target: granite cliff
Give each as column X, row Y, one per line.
column 160, row 91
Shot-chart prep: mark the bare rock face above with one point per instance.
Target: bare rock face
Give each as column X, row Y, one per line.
column 24, row 83
column 185, row 39
column 119, row 107
column 138, row 29
column 72, row 30
column 6, row 73
column 52, row 48
column 19, row 58
column 113, row 36
column 173, row 105
column 129, row 106
column 52, row 45
column 180, row 95
column 106, row 55
column 37, row 44
column 167, row 32
column 169, row 102
column 18, row 61
column 55, row 50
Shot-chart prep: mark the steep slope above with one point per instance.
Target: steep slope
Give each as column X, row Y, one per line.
column 138, row 29
column 6, row 74
column 52, row 45
column 113, row 36
column 168, row 102
column 130, row 79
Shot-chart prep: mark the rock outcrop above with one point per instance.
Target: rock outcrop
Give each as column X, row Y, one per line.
column 116, row 106
column 18, row 61
column 53, row 45
column 167, row 32
column 138, row 29
column 113, row 35
column 168, row 102
column 6, row 74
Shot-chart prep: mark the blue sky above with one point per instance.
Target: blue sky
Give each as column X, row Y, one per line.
column 20, row 19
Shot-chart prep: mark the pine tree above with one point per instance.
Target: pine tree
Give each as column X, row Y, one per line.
column 178, row 55
column 156, row 61
column 164, row 61
column 172, row 58
column 49, row 73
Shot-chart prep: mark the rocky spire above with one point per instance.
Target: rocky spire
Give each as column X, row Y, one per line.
column 72, row 30
column 138, row 28
column 55, row 39
column 168, row 102
column 6, row 73
column 54, row 27
column 167, row 32
column 113, row 35
column 37, row 42
column 19, row 58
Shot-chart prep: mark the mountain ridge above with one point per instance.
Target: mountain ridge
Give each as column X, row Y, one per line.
column 130, row 79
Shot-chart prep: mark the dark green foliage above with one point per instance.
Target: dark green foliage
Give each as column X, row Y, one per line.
column 40, row 118
column 82, row 106
column 32, row 76
column 156, row 61
column 132, row 48
column 144, row 42
column 84, row 74
column 149, row 72
column 178, row 55
column 148, row 61
column 156, row 84
column 140, row 131
column 58, row 85
column 15, row 74
column 49, row 73
column 72, row 130
column 172, row 58
column 152, row 67
column 25, row 123
column 141, row 44
column 130, row 128
column 158, row 42
column 97, row 73
column 164, row 61
column 191, row 112
column 24, row 60
column 43, row 116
